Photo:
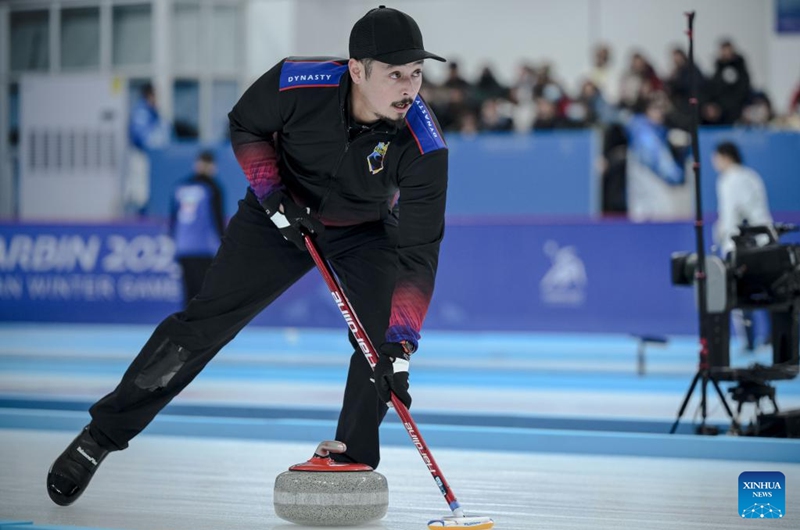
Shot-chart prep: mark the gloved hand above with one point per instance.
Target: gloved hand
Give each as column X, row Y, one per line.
column 391, row 371
column 290, row 218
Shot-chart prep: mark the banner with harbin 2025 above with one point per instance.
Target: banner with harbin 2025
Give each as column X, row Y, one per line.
column 87, row 273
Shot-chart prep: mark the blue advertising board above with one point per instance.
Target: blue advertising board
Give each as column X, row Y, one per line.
column 87, row 273
column 593, row 277
column 607, row 276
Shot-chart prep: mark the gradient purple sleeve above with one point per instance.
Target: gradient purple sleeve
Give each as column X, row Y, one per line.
column 423, row 190
column 259, row 162
column 409, row 307
column 254, row 121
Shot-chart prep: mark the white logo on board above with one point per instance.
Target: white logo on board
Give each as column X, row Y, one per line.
column 565, row 282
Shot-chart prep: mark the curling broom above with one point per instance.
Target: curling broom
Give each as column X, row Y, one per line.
column 458, row 519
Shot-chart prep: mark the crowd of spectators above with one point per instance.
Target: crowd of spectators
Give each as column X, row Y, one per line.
column 537, row 100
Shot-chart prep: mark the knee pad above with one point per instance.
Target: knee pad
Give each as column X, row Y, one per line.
column 166, row 361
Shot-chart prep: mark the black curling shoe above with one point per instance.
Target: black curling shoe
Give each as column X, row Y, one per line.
column 71, row 472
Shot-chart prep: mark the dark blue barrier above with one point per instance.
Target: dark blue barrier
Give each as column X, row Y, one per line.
column 598, row 277
column 548, row 173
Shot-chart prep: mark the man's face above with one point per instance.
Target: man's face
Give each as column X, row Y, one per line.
column 388, row 92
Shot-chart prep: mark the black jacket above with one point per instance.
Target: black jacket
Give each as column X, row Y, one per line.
column 731, row 88
column 298, row 112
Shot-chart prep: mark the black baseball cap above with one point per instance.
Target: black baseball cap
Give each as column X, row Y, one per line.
column 389, row 36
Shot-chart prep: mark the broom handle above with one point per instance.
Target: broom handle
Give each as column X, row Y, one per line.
column 370, row 353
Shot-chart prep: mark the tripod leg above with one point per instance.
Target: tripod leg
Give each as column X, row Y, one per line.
column 735, row 424
column 685, row 402
column 703, row 403
column 774, row 404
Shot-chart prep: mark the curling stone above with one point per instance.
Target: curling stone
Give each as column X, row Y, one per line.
column 323, row 492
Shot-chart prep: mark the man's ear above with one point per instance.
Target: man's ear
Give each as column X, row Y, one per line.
column 356, row 69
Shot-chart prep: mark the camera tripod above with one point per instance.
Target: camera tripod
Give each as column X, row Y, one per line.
column 705, row 374
column 710, row 324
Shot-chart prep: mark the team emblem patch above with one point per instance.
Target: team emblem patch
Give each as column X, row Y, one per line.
column 375, row 158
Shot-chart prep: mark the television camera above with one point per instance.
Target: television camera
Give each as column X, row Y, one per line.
column 760, row 273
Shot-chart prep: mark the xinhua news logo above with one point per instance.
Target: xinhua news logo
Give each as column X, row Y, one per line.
column 762, row 495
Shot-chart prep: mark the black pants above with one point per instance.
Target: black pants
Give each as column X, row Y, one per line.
column 253, row 266
column 194, row 270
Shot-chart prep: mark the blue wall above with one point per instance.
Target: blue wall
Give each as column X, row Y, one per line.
column 544, row 173
column 498, row 174
column 549, row 173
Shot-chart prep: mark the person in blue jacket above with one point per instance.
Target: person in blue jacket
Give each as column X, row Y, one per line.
column 146, row 130
column 197, row 223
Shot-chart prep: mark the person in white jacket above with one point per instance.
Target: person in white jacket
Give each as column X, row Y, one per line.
column 741, row 199
column 741, row 196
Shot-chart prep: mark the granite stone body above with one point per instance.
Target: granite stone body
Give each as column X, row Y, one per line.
column 331, row 498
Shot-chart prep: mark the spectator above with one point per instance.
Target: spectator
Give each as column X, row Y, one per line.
column 488, row 87
column 601, row 72
column 457, row 106
column 578, row 114
column 545, row 86
column 197, row 223
column 522, row 89
column 491, row 118
column 454, row 79
column 521, row 95
column 678, row 86
column 613, row 171
column 792, row 119
column 468, row 124
column 655, row 172
column 794, row 104
column 637, row 83
column 435, row 95
column 758, row 111
column 729, row 88
column 598, row 108
column 146, row 130
column 547, row 116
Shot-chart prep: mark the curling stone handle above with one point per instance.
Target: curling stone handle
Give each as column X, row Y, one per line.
column 329, row 446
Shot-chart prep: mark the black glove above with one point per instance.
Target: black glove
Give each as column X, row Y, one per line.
column 290, row 218
column 391, row 371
